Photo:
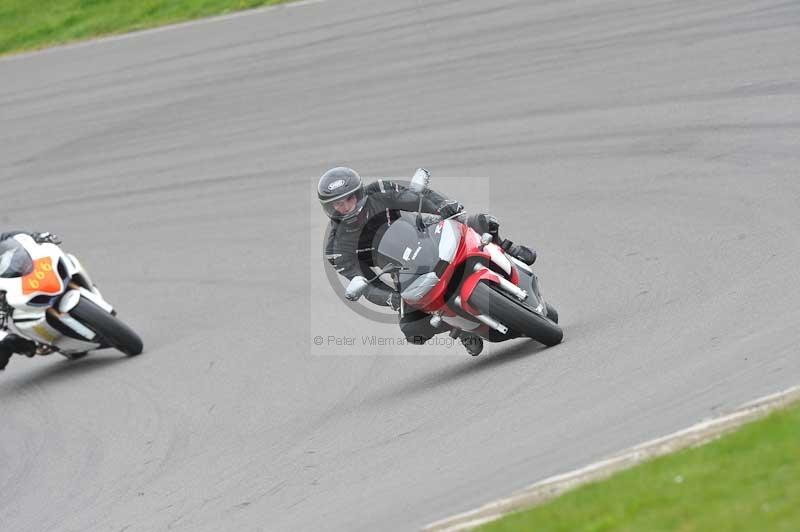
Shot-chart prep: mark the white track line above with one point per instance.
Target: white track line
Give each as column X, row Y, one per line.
column 552, row 487
column 159, row 29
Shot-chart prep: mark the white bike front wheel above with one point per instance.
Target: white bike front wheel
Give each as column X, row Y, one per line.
column 111, row 330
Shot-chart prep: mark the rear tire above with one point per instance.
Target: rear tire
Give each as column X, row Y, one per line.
column 109, row 328
column 515, row 315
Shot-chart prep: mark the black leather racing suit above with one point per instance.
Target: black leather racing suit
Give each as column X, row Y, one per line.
column 12, row 343
column 349, row 246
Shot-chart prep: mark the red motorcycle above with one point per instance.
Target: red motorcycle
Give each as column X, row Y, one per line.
column 461, row 279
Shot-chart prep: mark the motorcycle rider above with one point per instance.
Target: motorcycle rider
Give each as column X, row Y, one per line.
column 357, row 212
column 12, row 343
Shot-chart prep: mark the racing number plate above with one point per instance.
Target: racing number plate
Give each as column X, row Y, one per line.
column 42, row 278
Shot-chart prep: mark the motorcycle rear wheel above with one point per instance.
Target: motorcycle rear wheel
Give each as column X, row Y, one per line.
column 514, row 314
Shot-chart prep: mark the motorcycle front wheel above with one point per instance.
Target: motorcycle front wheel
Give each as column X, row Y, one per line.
column 514, row 314
column 109, row 328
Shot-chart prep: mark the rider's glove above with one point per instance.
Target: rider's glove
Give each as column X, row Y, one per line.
column 493, row 225
column 485, row 223
column 450, row 208
column 46, row 238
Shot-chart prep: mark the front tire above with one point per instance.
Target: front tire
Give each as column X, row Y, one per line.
column 515, row 315
column 552, row 313
column 109, row 328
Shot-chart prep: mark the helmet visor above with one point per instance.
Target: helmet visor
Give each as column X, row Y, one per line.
column 345, row 206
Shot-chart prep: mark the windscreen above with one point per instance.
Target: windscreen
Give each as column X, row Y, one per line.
column 14, row 260
column 417, row 252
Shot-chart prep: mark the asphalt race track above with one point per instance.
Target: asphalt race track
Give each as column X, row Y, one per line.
column 649, row 153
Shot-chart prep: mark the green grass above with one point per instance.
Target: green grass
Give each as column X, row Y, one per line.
column 31, row 24
column 748, row 480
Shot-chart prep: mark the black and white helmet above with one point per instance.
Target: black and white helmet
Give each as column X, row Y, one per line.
column 341, row 193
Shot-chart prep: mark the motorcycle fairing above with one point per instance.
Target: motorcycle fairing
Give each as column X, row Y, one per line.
column 43, row 279
column 417, row 291
column 491, row 253
column 469, row 247
column 53, row 271
column 41, row 330
column 450, row 239
column 454, row 245
column 469, row 284
column 441, row 242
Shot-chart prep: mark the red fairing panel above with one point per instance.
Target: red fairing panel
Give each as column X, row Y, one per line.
column 514, row 274
column 473, row 243
column 434, row 300
column 468, row 247
column 469, row 286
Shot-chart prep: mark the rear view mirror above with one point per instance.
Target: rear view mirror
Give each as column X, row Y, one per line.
column 420, row 181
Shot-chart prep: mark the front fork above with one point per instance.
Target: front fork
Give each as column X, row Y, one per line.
column 480, row 274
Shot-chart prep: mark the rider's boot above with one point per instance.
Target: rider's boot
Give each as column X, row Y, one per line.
column 486, row 223
column 11, row 344
column 472, row 343
column 5, row 356
column 523, row 253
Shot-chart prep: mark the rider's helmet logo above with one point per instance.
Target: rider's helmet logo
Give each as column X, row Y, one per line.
column 336, row 184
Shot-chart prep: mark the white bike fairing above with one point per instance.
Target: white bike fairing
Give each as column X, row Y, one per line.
column 45, row 275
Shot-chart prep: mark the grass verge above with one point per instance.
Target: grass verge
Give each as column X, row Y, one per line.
column 33, row 24
column 747, row 480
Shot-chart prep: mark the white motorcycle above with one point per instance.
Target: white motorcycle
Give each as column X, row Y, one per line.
column 47, row 296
